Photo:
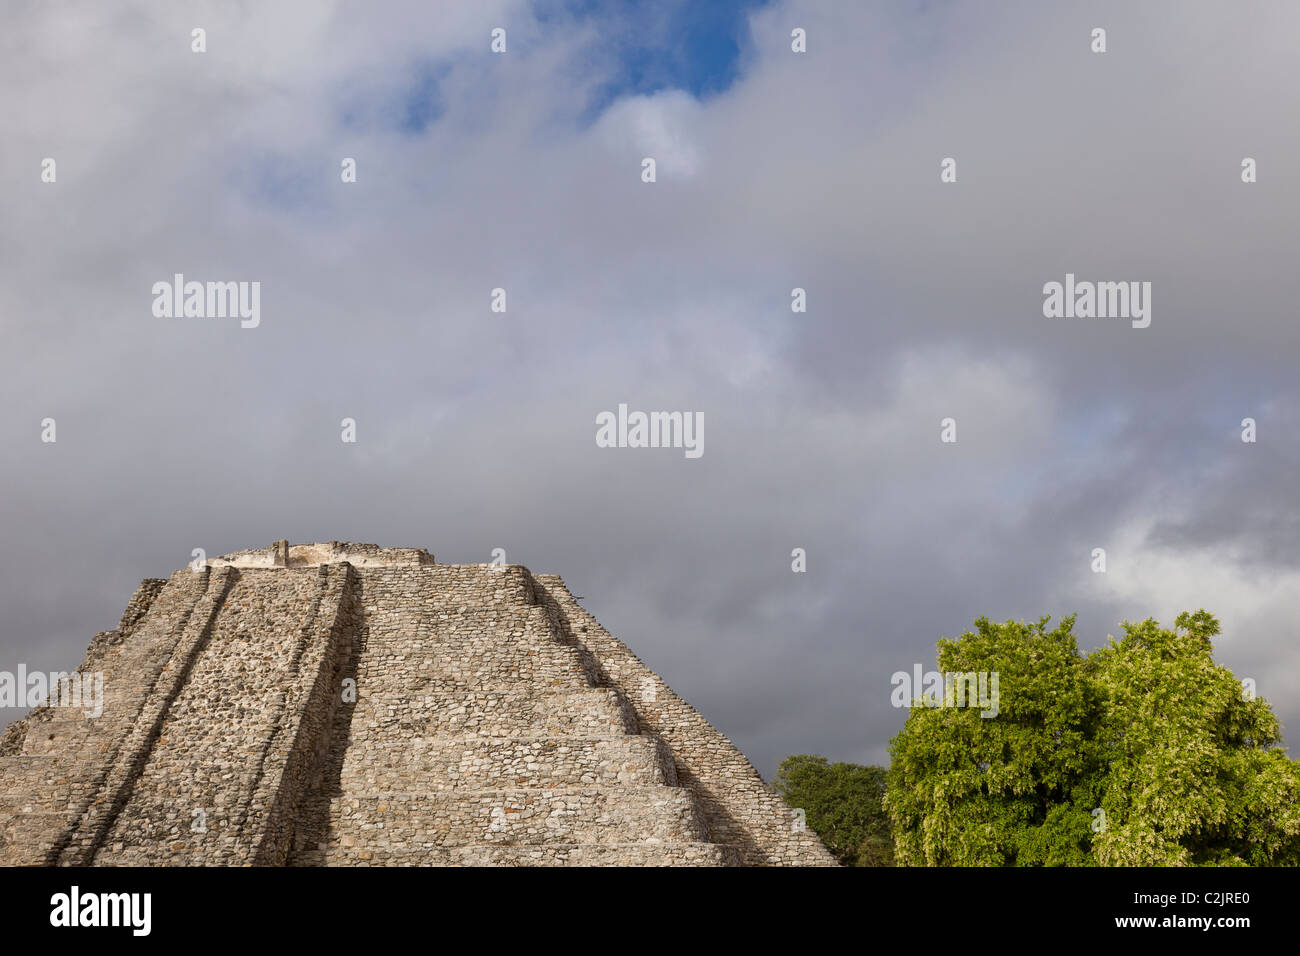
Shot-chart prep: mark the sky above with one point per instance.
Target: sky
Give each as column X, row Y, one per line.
column 775, row 170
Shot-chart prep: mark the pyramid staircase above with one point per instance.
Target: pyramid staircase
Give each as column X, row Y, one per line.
column 478, row 737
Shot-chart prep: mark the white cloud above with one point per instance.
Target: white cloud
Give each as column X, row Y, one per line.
column 661, row 125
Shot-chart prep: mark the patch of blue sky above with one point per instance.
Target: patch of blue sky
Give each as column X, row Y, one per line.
column 646, row 47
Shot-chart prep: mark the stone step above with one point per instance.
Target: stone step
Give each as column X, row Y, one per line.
column 633, row 854
column 517, row 712
column 404, row 644
column 21, row 774
column 40, row 800
column 26, row 836
column 488, row 664
column 477, row 763
column 168, row 832
column 36, row 783
column 423, row 820
column 60, row 735
column 181, row 849
column 47, row 782
column 446, row 585
column 435, row 622
column 115, row 691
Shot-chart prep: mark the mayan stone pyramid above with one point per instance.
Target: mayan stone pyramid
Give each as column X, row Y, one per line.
column 348, row 705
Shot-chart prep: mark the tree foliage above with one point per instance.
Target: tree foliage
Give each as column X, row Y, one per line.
column 1143, row 753
column 843, row 804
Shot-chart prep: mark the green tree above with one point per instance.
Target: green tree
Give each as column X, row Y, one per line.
column 1143, row 753
column 843, row 805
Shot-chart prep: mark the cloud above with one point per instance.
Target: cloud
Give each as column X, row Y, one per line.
column 658, row 126
column 522, row 171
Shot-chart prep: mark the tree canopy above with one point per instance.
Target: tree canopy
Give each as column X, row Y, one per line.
column 1142, row 753
column 842, row 802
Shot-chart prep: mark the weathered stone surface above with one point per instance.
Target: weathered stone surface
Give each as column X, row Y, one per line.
column 349, row 705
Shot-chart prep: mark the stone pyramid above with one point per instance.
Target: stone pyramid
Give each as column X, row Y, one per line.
column 348, row 705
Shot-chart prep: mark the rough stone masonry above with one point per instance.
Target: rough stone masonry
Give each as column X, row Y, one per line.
column 349, row 705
